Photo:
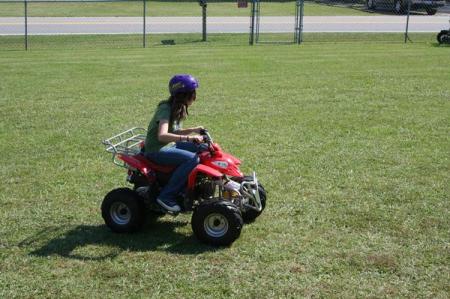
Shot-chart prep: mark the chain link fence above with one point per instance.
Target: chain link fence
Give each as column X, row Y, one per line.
column 42, row 24
column 352, row 20
column 71, row 24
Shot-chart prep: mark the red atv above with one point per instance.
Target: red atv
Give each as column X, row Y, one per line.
column 217, row 192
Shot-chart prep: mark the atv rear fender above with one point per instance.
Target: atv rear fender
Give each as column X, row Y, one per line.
column 134, row 162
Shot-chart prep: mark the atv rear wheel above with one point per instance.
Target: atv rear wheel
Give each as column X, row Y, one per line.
column 217, row 223
column 123, row 211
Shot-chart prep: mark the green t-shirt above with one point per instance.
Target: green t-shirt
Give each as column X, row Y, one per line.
column 152, row 143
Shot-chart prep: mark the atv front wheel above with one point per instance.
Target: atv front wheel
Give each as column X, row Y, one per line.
column 123, row 211
column 217, row 223
column 250, row 214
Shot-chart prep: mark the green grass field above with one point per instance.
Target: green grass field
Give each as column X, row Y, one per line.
column 351, row 140
column 167, row 8
column 110, row 41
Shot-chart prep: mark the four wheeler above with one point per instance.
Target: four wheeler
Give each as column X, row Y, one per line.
column 220, row 197
column 443, row 37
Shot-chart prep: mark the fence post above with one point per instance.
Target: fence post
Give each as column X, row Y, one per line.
column 407, row 21
column 203, row 4
column 257, row 19
column 252, row 24
column 300, row 34
column 144, row 29
column 26, row 25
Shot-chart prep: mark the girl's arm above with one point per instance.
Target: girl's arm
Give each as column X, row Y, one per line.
column 188, row 131
column 165, row 137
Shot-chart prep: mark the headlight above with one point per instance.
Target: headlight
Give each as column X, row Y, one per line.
column 221, row 164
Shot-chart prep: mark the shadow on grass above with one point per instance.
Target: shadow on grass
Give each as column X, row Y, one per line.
column 437, row 45
column 86, row 242
column 179, row 42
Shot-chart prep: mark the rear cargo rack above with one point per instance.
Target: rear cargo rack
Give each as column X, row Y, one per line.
column 127, row 143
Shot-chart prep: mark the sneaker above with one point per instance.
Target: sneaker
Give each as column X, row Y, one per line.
column 169, row 205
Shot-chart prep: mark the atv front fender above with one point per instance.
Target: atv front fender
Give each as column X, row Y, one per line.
column 206, row 170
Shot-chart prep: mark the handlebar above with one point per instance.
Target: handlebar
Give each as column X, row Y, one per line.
column 207, row 139
column 206, row 136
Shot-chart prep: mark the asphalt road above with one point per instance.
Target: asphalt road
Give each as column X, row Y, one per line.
column 119, row 25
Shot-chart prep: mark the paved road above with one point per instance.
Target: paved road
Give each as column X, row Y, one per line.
column 118, row 25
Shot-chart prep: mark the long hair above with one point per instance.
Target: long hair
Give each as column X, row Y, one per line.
column 178, row 106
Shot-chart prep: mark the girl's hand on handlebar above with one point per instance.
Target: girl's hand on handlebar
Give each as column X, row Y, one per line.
column 199, row 129
column 196, row 138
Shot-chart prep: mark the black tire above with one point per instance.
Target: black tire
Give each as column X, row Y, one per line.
column 250, row 215
column 217, row 223
column 398, row 7
column 443, row 37
column 123, row 211
column 431, row 11
column 371, row 4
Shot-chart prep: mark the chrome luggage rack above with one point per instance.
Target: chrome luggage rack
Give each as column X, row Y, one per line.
column 127, row 143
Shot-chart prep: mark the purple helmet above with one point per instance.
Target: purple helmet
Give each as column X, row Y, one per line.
column 182, row 83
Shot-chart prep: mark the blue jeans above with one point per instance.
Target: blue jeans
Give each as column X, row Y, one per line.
column 184, row 155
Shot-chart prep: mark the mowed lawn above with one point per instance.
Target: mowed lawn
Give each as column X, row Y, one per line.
column 174, row 8
column 351, row 141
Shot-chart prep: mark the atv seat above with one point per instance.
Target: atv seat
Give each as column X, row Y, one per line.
column 139, row 161
column 157, row 167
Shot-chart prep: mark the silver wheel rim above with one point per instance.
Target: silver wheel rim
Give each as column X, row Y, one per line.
column 216, row 225
column 120, row 213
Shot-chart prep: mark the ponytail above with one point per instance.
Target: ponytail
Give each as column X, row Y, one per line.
column 178, row 106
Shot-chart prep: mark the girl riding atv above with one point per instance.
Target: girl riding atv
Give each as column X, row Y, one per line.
column 186, row 162
column 167, row 143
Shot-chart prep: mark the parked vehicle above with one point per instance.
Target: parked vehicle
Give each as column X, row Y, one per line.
column 219, row 195
column 401, row 6
column 443, row 37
